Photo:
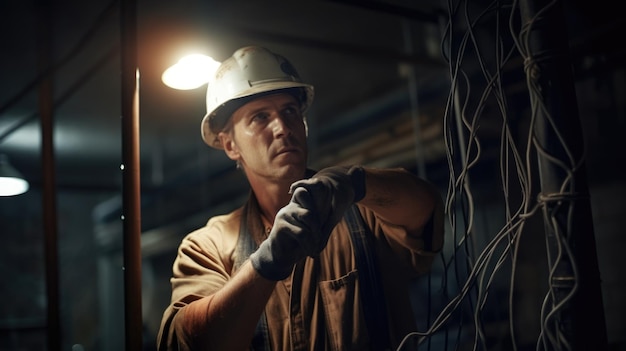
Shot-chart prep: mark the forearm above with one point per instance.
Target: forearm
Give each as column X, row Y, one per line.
column 227, row 319
column 401, row 198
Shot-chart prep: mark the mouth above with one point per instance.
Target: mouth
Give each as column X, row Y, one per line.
column 288, row 150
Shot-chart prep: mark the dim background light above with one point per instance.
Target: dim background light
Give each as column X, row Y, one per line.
column 11, row 181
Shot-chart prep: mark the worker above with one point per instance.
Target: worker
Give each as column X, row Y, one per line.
column 313, row 260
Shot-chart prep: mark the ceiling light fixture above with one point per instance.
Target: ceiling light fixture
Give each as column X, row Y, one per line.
column 11, row 181
column 190, row 72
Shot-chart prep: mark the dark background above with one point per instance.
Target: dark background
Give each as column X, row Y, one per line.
column 382, row 74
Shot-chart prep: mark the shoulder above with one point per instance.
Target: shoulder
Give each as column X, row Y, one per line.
column 219, row 235
column 226, row 223
column 205, row 258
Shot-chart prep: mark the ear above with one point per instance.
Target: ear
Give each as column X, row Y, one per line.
column 230, row 148
column 306, row 125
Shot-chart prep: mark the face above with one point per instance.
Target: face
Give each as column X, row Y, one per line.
column 267, row 136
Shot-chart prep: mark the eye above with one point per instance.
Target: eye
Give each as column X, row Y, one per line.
column 260, row 117
column 291, row 111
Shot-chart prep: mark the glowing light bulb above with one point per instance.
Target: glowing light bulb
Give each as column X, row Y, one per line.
column 190, row 72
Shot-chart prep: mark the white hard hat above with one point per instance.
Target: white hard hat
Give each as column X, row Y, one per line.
column 251, row 71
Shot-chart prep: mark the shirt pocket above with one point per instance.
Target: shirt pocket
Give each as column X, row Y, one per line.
column 345, row 326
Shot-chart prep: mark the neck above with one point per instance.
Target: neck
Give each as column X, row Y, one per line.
column 272, row 194
column 271, row 198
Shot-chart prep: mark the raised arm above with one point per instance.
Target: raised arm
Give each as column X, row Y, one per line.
column 395, row 195
column 226, row 319
column 401, row 198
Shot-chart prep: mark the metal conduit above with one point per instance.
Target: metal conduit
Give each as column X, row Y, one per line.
column 46, row 107
column 131, row 200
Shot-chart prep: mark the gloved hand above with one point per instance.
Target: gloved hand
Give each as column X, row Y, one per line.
column 333, row 190
column 295, row 235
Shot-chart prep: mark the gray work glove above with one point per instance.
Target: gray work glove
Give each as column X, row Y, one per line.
column 295, row 235
column 333, row 190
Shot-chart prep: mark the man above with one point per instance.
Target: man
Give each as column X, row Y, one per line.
column 285, row 271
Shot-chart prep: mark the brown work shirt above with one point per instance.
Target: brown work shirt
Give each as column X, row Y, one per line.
column 319, row 306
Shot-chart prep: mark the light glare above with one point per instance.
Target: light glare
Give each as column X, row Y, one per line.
column 190, row 72
column 10, row 186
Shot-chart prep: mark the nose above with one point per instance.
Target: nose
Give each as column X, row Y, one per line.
column 280, row 127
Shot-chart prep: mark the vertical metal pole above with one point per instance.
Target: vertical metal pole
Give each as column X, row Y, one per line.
column 579, row 322
column 131, row 202
column 46, row 108
column 413, row 96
